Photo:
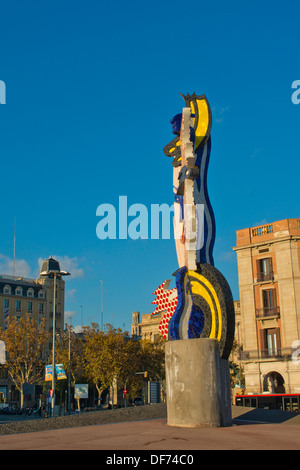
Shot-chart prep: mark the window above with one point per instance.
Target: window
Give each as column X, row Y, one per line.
column 6, row 289
column 269, row 298
column 264, row 270
column 6, row 303
column 3, row 375
column 41, row 294
column 19, row 290
column 18, row 305
column 270, row 342
column 30, row 293
column 29, row 306
column 269, row 304
column 41, row 308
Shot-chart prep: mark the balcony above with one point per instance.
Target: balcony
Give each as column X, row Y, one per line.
column 267, row 312
column 265, row 277
column 278, row 354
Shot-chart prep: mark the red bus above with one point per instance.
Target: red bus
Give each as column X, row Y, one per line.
column 269, row 401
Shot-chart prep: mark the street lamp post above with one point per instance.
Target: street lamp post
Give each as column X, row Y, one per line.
column 54, row 273
column 69, row 374
column 53, row 346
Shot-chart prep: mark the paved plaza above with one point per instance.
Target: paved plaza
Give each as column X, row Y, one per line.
column 251, row 430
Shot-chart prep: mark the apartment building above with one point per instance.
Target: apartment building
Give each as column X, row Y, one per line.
column 268, row 324
column 20, row 296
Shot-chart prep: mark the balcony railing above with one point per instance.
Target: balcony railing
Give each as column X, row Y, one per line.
column 263, row 230
column 275, row 353
column 267, row 312
column 263, row 277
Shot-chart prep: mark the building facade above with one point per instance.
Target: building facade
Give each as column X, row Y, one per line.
column 268, row 325
column 146, row 326
column 20, row 296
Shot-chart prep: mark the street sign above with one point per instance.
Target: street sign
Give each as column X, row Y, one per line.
column 60, row 371
column 48, row 373
column 81, row 391
column 154, row 392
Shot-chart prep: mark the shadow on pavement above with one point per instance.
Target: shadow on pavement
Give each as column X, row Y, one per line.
column 245, row 415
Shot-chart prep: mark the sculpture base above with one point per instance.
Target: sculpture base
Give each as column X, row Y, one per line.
column 198, row 384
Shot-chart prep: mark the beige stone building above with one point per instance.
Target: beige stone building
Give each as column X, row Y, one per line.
column 20, row 296
column 268, row 325
column 146, row 326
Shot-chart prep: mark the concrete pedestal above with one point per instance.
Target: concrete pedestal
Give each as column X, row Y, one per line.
column 198, row 384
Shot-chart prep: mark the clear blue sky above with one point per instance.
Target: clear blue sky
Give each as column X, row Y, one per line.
column 91, row 87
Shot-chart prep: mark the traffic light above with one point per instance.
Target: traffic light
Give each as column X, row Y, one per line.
column 124, row 393
column 145, row 374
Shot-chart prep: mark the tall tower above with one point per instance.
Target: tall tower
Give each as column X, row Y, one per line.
column 47, row 282
column 135, row 326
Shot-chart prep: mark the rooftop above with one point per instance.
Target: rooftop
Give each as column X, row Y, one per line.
column 17, row 279
column 49, row 264
column 268, row 232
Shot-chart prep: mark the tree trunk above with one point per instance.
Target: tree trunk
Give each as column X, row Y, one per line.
column 99, row 390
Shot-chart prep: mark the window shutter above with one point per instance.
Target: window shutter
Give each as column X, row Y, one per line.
column 274, row 298
column 270, row 267
column 263, row 339
column 278, row 340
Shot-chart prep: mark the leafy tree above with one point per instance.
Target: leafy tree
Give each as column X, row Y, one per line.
column 109, row 357
column 153, row 358
column 25, row 343
column 143, row 357
column 236, row 370
column 97, row 367
column 131, row 364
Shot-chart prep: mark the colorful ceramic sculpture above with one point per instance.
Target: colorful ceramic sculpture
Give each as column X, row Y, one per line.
column 204, row 306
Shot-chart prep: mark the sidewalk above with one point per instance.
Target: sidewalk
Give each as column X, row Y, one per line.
column 157, row 435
